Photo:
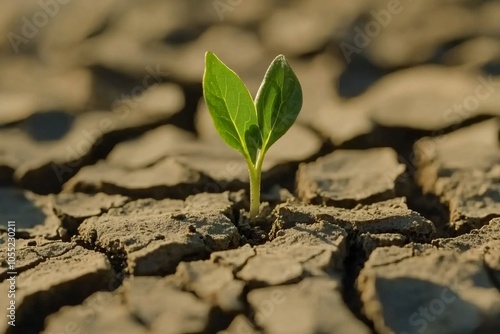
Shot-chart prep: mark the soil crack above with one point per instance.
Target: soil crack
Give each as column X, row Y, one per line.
column 353, row 264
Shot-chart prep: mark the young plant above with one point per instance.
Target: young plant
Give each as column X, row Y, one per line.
column 252, row 127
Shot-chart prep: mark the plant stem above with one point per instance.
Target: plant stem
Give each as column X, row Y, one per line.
column 255, row 176
column 254, row 193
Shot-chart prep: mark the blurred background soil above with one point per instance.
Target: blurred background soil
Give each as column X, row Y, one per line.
column 105, row 138
column 78, row 77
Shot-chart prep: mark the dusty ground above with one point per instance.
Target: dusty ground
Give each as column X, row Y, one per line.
column 382, row 209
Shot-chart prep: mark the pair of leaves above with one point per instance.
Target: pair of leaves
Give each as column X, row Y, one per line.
column 251, row 128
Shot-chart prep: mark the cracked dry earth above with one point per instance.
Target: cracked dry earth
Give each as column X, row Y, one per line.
column 358, row 250
column 382, row 208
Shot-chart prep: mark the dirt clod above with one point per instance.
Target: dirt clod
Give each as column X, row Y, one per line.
column 347, row 178
column 131, row 232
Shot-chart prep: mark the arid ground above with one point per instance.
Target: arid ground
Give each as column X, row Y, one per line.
column 122, row 211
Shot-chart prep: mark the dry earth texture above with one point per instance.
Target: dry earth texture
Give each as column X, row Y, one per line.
column 382, row 203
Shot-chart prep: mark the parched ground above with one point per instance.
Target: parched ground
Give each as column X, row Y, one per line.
column 381, row 208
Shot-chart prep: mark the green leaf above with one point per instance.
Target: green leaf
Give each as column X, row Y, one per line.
column 231, row 106
column 253, row 139
column 278, row 101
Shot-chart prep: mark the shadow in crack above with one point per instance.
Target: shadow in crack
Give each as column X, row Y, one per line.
column 47, row 126
column 358, row 76
column 17, row 205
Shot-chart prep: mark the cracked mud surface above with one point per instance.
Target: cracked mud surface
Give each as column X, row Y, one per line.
column 382, row 202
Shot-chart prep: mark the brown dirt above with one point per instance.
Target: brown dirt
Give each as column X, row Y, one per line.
column 382, row 210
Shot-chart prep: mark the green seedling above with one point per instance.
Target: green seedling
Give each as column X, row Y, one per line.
column 252, row 127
